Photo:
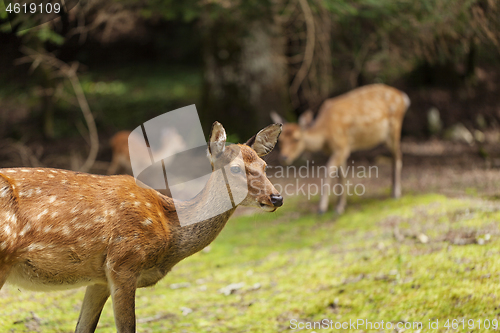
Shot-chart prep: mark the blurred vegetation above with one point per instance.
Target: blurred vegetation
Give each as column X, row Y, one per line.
column 124, row 96
column 371, row 263
column 239, row 60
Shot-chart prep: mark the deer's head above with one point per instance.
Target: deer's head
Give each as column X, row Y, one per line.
column 244, row 168
column 291, row 141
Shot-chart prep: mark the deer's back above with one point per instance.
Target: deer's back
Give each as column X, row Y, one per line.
column 362, row 118
column 59, row 229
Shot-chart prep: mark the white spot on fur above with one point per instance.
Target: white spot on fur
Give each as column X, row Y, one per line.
column 36, row 246
column 26, row 228
column 4, row 191
column 25, row 170
column 40, row 170
column 54, row 214
column 39, row 216
column 65, row 230
column 137, row 203
column 73, row 210
column 38, row 191
column 3, row 245
column 51, row 176
column 11, row 171
column 148, row 204
column 11, row 217
column 52, row 199
column 147, row 222
column 7, row 229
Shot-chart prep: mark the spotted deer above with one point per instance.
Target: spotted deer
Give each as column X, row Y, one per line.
column 61, row 229
column 171, row 142
column 360, row 119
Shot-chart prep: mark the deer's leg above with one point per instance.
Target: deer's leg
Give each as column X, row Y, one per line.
column 113, row 167
column 95, row 298
column 396, row 173
column 394, row 144
column 337, row 160
column 342, row 201
column 123, row 287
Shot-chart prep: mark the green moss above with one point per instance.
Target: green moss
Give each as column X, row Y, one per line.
column 367, row 264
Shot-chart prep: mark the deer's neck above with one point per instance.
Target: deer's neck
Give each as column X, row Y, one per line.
column 196, row 236
column 314, row 138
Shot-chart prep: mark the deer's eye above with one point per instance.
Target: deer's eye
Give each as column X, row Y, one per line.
column 235, row 169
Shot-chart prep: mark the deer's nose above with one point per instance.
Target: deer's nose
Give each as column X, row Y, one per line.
column 276, row 200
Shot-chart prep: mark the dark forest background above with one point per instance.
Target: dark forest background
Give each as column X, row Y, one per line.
column 66, row 86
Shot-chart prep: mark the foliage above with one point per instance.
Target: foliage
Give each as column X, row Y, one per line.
column 404, row 33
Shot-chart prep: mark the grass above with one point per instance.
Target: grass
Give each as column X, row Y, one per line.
column 372, row 263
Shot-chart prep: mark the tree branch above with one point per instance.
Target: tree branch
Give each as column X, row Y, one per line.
column 308, row 54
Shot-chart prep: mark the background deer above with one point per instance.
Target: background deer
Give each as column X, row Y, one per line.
column 171, row 142
column 62, row 229
column 360, row 119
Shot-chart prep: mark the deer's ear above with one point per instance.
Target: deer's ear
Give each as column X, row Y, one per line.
column 277, row 118
column 306, row 119
column 217, row 142
column 264, row 141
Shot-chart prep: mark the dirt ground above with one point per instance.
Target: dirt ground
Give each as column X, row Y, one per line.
column 437, row 166
column 450, row 168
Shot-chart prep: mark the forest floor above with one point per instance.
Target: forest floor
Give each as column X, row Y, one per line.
column 430, row 257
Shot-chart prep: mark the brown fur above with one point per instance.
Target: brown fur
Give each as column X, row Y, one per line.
column 121, row 157
column 360, row 119
column 61, row 229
